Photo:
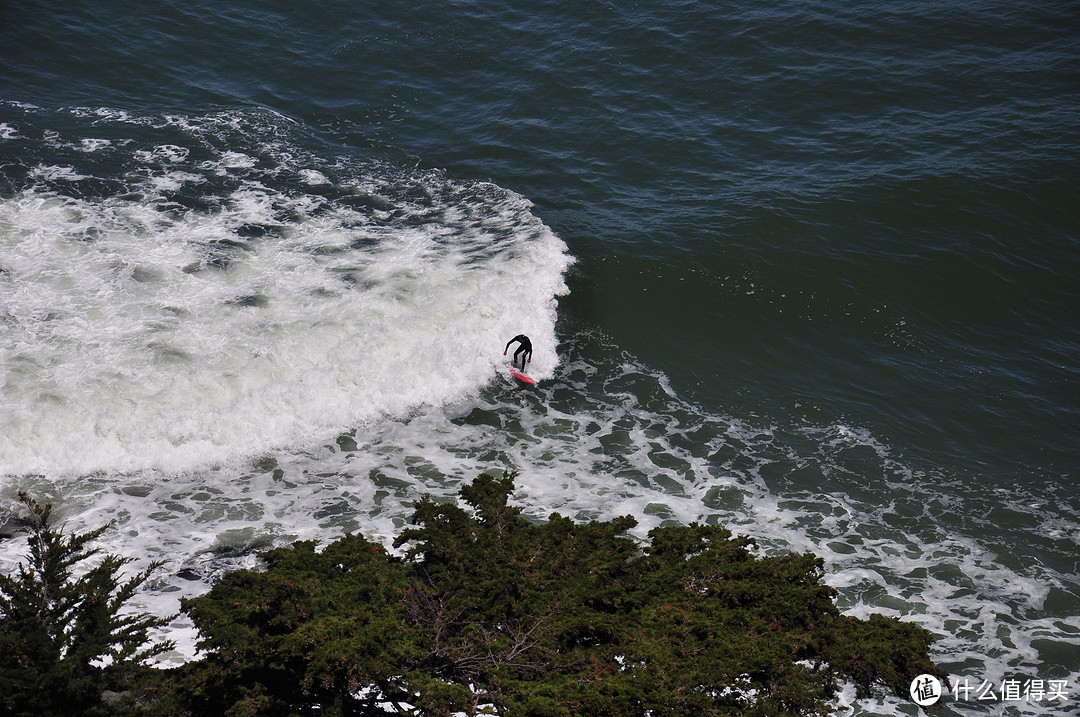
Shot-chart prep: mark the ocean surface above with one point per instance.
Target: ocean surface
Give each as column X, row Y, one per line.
column 809, row 270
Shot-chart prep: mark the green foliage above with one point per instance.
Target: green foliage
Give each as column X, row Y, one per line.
column 63, row 639
column 311, row 630
column 491, row 613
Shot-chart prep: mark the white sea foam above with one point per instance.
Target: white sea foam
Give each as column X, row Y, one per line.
column 91, row 144
column 54, row 173
column 599, row 439
column 163, row 153
column 310, row 176
column 138, row 335
column 245, row 347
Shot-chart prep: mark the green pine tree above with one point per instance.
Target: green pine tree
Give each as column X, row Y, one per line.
column 491, row 613
column 64, row 637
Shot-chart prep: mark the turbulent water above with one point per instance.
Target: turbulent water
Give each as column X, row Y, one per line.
column 806, row 270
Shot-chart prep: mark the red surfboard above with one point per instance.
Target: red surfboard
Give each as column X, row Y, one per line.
column 523, row 377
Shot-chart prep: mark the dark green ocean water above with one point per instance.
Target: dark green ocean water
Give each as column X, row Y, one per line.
column 806, row 269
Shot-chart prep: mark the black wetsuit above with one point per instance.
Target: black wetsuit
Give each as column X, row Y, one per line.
column 524, row 350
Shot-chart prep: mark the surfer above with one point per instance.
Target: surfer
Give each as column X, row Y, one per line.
column 524, row 350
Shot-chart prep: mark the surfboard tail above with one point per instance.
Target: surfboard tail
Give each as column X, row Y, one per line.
column 520, row 375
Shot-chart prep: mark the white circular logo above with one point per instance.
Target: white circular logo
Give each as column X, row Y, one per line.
column 925, row 690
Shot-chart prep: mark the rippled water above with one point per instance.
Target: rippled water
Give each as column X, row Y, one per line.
column 801, row 269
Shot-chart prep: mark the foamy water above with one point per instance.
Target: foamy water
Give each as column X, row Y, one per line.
column 139, row 332
column 224, row 344
column 595, row 442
